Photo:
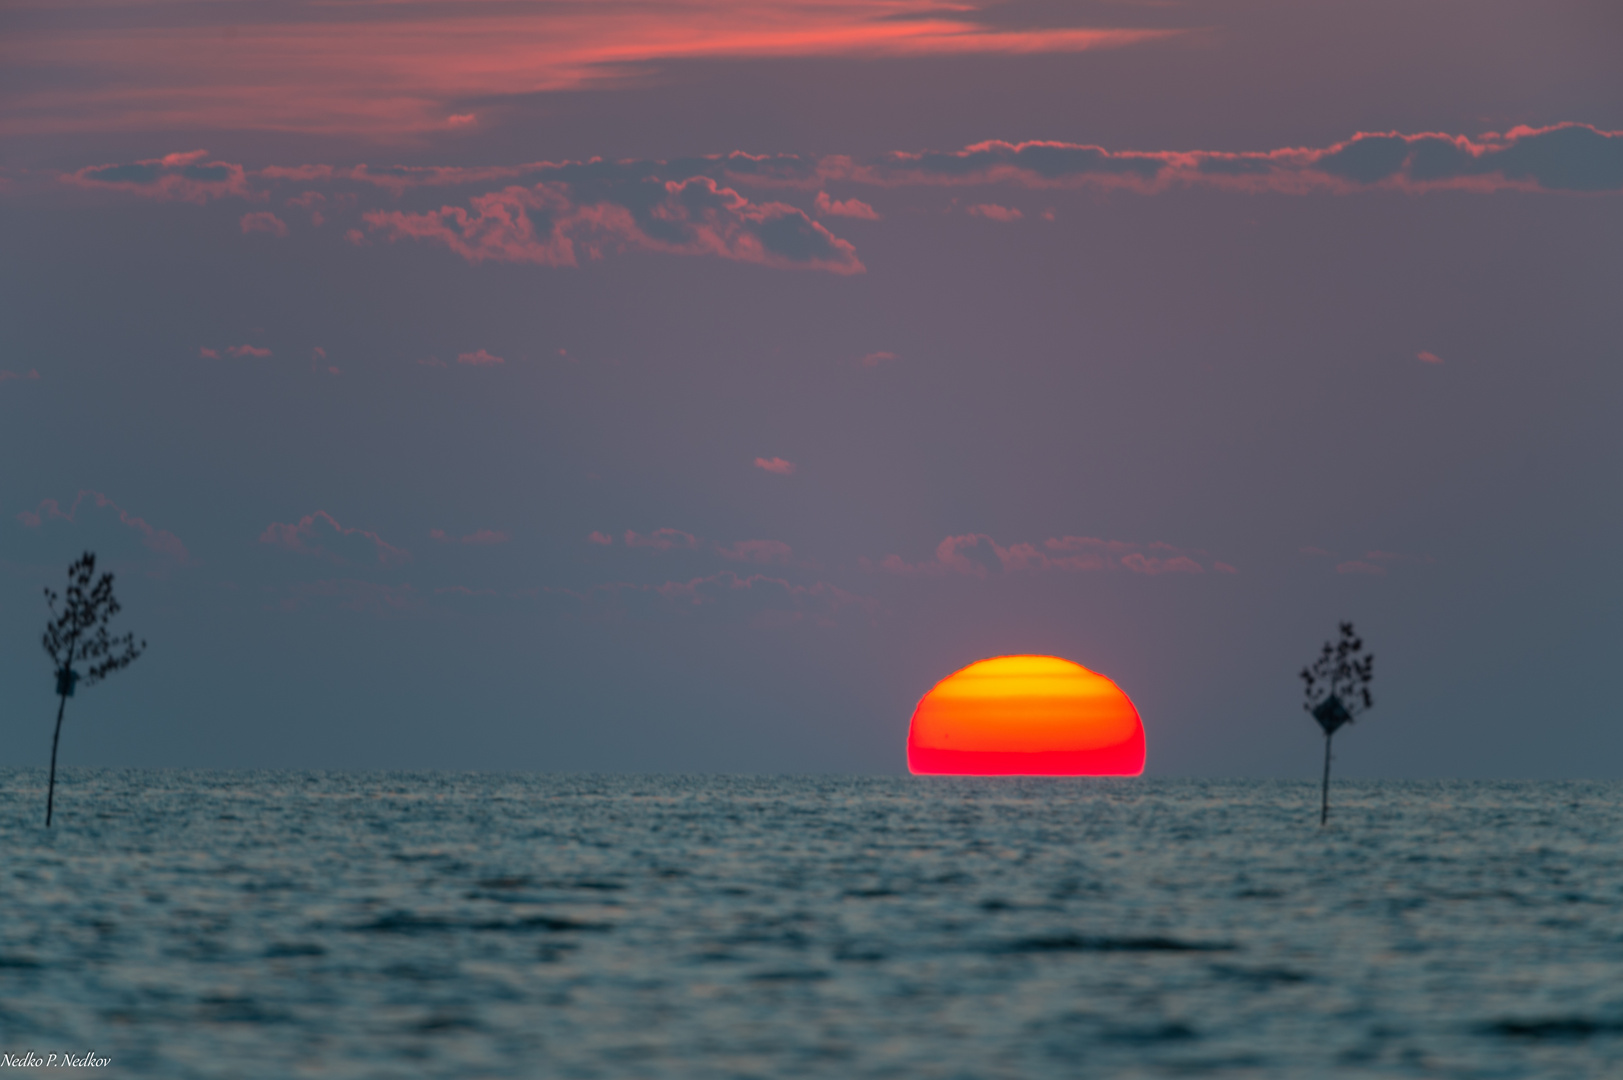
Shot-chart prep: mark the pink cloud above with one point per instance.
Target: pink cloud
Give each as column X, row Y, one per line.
column 776, row 465
column 264, row 221
column 479, row 359
column 500, row 227
column 1430, row 358
column 312, row 202
column 547, row 225
column 357, row 238
column 979, row 555
column 874, row 359
column 402, row 67
column 967, row 554
column 185, row 177
column 207, row 353
column 320, row 535
column 851, row 208
column 1145, row 564
column 1073, row 553
column 662, row 539
column 158, row 540
column 970, row 553
column 758, row 551
column 600, row 538
column 994, row 212
column 251, row 351
column 22, row 376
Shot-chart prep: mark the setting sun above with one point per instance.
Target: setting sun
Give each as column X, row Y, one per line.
column 1026, row 715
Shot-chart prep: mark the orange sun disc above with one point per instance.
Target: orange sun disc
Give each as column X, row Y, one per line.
column 1026, row 716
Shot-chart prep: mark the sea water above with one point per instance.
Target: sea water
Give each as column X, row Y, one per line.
column 219, row 924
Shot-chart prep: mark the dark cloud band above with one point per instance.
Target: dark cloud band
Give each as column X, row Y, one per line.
column 558, row 213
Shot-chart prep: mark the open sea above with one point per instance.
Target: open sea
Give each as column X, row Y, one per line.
column 280, row 925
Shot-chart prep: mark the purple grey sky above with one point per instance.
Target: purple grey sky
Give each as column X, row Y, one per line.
column 690, row 387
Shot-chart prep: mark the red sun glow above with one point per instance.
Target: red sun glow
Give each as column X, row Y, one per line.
column 1026, row 716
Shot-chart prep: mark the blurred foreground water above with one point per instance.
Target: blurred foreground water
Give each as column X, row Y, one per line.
column 216, row 924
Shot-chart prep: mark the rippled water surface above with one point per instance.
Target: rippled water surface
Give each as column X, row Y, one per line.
column 191, row 924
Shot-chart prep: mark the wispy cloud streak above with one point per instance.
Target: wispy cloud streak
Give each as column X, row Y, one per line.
column 382, row 69
column 158, row 540
column 978, row 555
column 321, row 535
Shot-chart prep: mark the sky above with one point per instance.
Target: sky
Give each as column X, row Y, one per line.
column 689, row 386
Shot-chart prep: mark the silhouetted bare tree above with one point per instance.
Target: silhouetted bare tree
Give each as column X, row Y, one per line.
column 78, row 634
column 1337, row 690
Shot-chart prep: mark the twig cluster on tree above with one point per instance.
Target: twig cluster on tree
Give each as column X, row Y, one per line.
column 78, row 634
column 1339, row 677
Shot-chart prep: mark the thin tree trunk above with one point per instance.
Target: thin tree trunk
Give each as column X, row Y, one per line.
column 1324, row 807
column 50, row 794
